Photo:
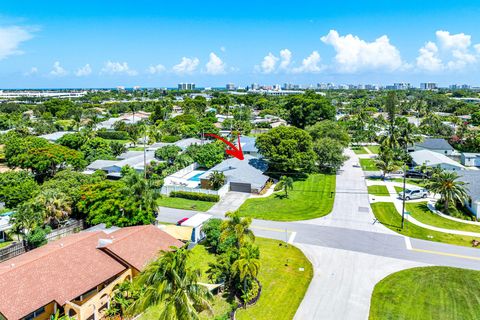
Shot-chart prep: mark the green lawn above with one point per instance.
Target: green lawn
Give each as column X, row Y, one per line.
column 420, row 212
column 359, row 150
column 379, row 190
column 386, row 214
column 283, row 284
column 374, row 149
column 427, row 293
column 416, row 182
column 5, row 243
column 310, row 198
column 186, row 204
column 398, row 189
column 368, row 165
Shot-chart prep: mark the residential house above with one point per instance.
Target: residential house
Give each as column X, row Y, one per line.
column 134, row 159
column 470, row 159
column 77, row 275
column 248, row 146
column 432, row 144
column 182, row 144
column 241, row 175
column 434, row 159
column 128, row 118
column 53, row 137
column 196, row 222
column 472, row 179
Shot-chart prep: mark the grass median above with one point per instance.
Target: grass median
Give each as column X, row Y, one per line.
column 185, row 204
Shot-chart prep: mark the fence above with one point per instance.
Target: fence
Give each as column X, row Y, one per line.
column 18, row 248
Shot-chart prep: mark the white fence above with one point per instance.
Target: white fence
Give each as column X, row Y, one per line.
column 221, row 192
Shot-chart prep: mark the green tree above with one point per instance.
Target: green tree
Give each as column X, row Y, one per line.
column 169, row 284
column 329, row 154
column 287, row 149
column 237, row 227
column 207, row 155
column 246, row 267
column 329, row 129
column 309, row 108
column 287, row 183
column 168, row 153
column 386, row 162
column 451, row 190
column 216, row 179
column 16, row 187
column 56, row 206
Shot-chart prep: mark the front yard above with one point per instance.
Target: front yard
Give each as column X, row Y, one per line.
column 310, row 198
column 386, row 214
column 378, row 190
column 368, row 164
column 185, row 204
column 427, row 293
column 359, row 150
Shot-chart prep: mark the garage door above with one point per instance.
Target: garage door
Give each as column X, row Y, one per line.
column 240, row 187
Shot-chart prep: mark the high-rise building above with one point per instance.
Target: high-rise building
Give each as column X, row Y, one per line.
column 186, row 86
column 230, row 87
column 401, row 86
column 458, row 86
column 428, row 86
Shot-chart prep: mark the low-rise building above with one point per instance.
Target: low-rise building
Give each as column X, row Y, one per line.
column 134, row 159
column 76, row 275
column 471, row 179
column 434, row 159
column 432, row 144
column 470, row 159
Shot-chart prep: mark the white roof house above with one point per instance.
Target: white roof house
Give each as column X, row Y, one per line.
column 435, row 159
column 134, row 159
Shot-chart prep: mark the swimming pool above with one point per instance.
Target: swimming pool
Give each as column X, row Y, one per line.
column 196, row 177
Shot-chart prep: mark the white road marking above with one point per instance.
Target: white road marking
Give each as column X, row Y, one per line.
column 408, row 244
column 292, row 237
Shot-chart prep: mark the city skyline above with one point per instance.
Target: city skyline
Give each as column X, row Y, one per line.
column 150, row 45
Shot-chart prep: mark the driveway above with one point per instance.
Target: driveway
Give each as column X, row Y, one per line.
column 229, row 202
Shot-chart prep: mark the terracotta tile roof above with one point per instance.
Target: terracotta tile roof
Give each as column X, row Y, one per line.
column 64, row 269
column 139, row 245
column 59, row 271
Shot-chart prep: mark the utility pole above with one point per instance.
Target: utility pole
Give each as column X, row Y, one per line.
column 404, row 182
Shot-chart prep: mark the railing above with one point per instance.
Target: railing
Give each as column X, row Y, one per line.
column 13, row 250
column 221, row 192
column 65, row 231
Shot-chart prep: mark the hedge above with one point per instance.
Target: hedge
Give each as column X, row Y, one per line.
column 195, row 196
column 113, row 135
column 278, row 186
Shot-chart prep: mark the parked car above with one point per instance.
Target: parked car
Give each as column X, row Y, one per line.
column 414, row 193
column 179, row 222
column 416, row 174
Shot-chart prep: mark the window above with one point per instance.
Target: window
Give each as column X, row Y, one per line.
column 35, row 314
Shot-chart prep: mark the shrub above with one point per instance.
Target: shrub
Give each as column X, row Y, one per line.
column 278, row 186
column 170, row 139
column 212, row 229
column 37, row 237
column 195, row 196
column 113, row 135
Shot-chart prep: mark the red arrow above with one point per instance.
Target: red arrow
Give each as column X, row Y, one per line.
column 234, row 151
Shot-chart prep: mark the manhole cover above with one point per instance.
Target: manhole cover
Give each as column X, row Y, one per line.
column 363, row 209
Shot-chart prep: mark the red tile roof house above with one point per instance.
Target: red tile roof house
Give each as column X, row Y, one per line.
column 77, row 274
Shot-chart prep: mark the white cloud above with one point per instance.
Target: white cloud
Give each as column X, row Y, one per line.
column 31, row 72
column 186, row 65
column 84, row 71
column 354, row 54
column 268, row 64
column 453, row 52
column 159, row 68
column 428, row 58
column 223, row 49
column 112, row 68
column 10, row 40
column 215, row 65
column 286, row 58
column 58, row 70
column 310, row 64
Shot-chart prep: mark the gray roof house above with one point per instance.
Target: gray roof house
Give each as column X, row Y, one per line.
column 469, row 159
column 436, row 145
column 182, row 144
column 472, row 180
column 434, row 159
column 248, row 146
column 242, row 175
column 53, row 137
column 134, row 159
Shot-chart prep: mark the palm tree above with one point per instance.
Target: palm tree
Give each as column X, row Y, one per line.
column 171, row 285
column 238, row 227
column 57, row 207
column 246, row 266
column 287, row 183
column 143, row 190
column 446, row 185
column 386, row 162
column 216, row 179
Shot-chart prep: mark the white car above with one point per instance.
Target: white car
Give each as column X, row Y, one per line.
column 414, row 193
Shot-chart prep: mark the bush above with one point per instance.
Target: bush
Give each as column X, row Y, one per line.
column 37, row 237
column 170, row 139
column 212, row 229
column 278, row 186
column 195, row 196
column 113, row 135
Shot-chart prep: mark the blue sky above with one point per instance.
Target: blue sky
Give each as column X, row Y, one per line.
column 156, row 43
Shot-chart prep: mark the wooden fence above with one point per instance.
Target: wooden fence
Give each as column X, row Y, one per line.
column 20, row 247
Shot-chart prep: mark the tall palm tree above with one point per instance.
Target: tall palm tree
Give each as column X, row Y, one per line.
column 172, row 286
column 246, row 266
column 446, row 185
column 287, row 183
column 238, row 227
column 386, row 162
column 141, row 189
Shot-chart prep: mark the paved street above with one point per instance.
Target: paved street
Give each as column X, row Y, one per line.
column 350, row 253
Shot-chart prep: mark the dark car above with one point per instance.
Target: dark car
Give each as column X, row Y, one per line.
column 415, row 174
column 179, row 222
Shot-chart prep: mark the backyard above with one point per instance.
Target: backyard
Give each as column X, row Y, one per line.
column 427, row 293
column 185, row 204
column 310, row 198
column 386, row 214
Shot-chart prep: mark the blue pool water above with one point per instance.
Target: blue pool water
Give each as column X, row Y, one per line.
column 196, row 177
